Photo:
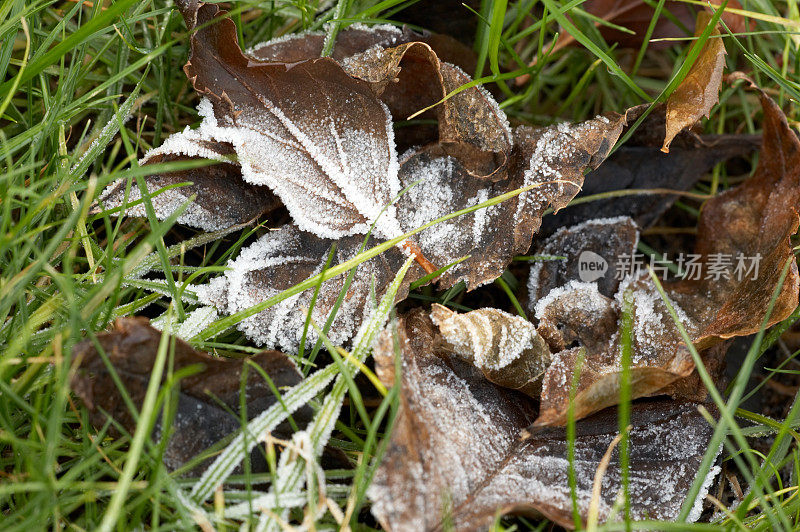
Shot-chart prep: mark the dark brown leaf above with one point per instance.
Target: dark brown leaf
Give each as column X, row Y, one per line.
column 640, row 164
column 410, row 77
column 223, row 198
column 327, row 153
column 199, row 420
column 352, row 40
column 596, row 243
column 699, row 90
column 456, row 456
column 755, row 219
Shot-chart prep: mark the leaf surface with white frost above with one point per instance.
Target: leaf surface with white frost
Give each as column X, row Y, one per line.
column 455, row 455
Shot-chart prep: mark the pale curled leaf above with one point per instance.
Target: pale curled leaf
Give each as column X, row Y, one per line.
column 699, row 90
column 455, row 454
column 506, row 348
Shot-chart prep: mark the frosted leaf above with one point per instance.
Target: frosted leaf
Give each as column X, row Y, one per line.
column 328, row 153
column 577, row 320
column 351, row 40
column 199, row 421
column 455, row 449
column 283, row 258
column 506, row 348
column 493, row 235
column 471, row 125
column 574, row 312
column 222, row 200
column 755, row 219
column 556, row 157
column 640, row 164
column 591, row 250
column 443, row 188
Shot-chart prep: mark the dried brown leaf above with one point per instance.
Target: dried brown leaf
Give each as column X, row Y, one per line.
column 699, row 90
column 455, row 454
column 223, row 198
column 754, row 219
column 410, row 77
column 552, row 159
column 200, row 421
column 640, row 164
column 330, row 156
column 582, row 325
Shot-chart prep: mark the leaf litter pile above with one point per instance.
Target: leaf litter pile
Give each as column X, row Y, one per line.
column 498, row 413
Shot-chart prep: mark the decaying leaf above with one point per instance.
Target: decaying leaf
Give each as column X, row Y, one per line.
column 640, row 164
column 506, row 348
column 408, row 71
column 456, row 458
column 755, row 219
column 699, row 90
column 588, row 250
column 582, row 328
column 199, row 420
column 410, row 77
column 223, row 198
column 330, row 156
column 327, row 153
column 282, row 258
column 551, row 159
column 752, row 222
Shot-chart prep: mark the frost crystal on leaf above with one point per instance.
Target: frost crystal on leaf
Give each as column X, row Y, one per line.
column 506, row 348
column 330, row 156
column 282, row 258
column 455, row 451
